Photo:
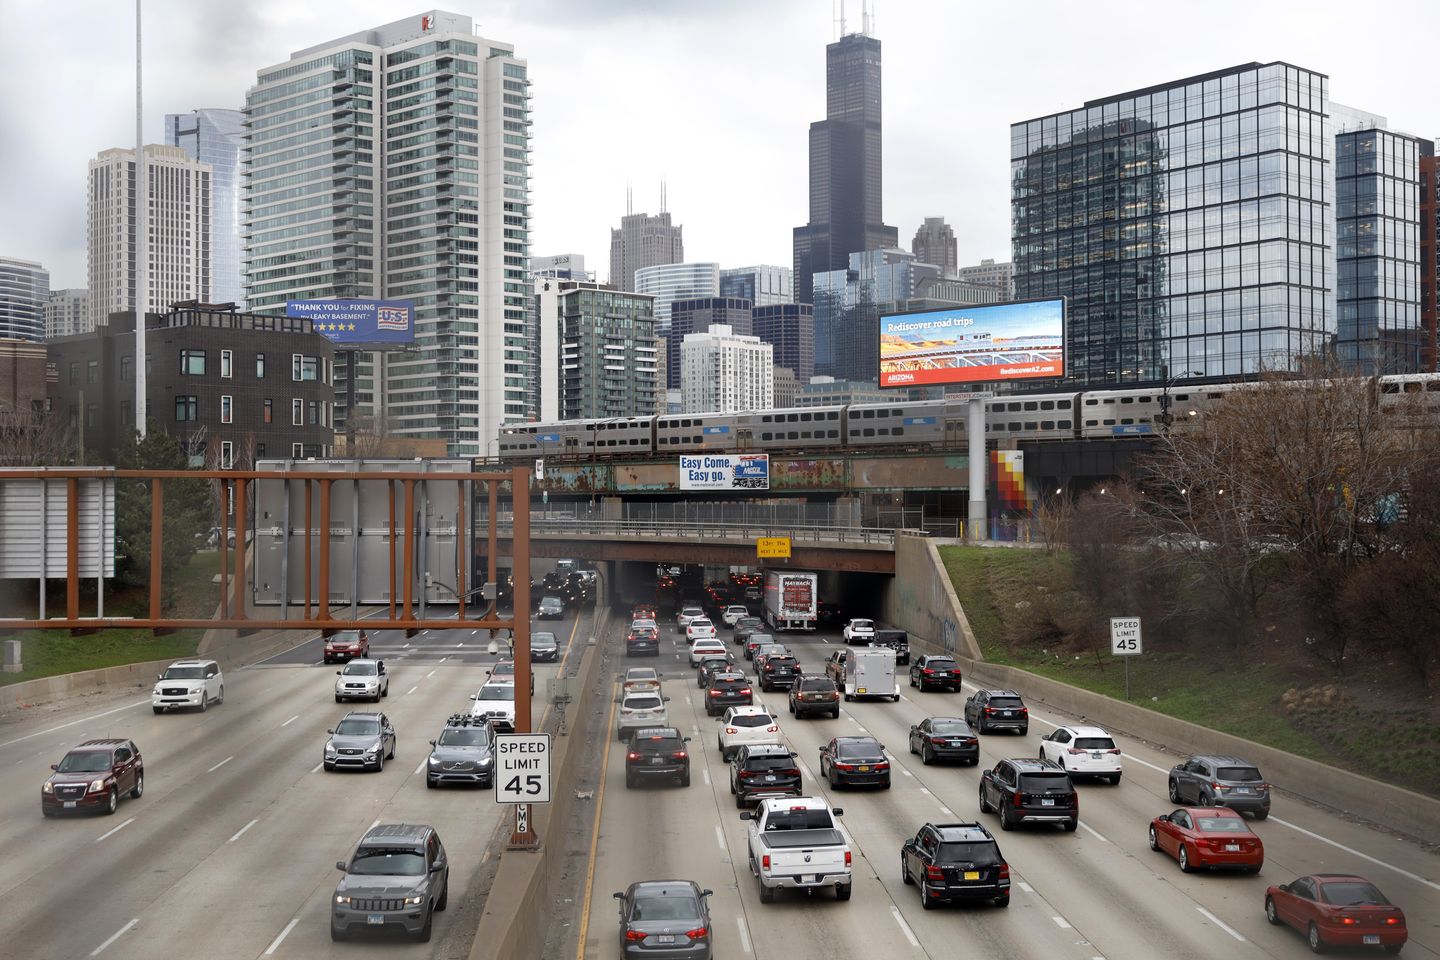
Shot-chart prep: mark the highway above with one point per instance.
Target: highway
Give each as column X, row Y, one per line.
column 1099, row 892
column 230, row 852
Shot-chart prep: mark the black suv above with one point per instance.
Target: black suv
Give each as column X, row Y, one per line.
column 897, row 640
column 1221, row 782
column 955, row 861
column 728, row 690
column 1024, row 788
column 712, row 664
column 935, row 672
column 762, row 770
column 657, row 752
column 814, row 693
column 746, row 626
column 778, row 672
column 990, row 710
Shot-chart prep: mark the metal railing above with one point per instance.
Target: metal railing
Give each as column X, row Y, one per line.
column 702, row 530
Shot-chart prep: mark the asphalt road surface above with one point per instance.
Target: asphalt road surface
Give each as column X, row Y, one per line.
column 231, row 851
column 1099, row 892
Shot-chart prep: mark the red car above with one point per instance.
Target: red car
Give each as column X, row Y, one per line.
column 1337, row 909
column 1207, row 837
column 345, row 645
column 93, row 776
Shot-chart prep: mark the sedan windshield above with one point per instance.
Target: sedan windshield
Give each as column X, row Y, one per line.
column 543, row 641
column 463, row 737
column 380, row 862
column 1352, row 893
column 497, row 692
column 358, row 728
column 353, row 669
column 1221, row 825
column 85, row 763
column 665, row 908
column 184, row 673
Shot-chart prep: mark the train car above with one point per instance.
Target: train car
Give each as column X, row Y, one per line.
column 918, row 424
column 1037, row 417
column 694, row 432
column 799, row 429
column 1398, row 389
column 1118, row 413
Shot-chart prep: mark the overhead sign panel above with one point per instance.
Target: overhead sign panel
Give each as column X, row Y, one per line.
column 742, row 472
column 996, row 342
column 371, row 324
column 772, row 548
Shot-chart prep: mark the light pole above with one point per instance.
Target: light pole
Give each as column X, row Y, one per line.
column 1165, row 418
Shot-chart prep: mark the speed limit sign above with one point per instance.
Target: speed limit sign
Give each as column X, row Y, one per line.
column 1125, row 636
column 522, row 768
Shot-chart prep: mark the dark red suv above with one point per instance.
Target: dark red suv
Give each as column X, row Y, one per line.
column 92, row 776
column 343, row 645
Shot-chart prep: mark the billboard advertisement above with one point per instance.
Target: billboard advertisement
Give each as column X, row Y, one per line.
column 738, row 472
column 359, row 323
column 996, row 342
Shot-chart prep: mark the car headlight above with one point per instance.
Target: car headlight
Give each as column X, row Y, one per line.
column 340, row 898
column 415, row 900
column 329, row 749
column 434, row 762
column 97, row 785
column 483, row 763
column 47, row 787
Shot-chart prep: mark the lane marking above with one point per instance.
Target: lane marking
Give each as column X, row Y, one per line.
column 41, row 733
column 430, row 674
column 115, row 936
column 1025, row 886
column 241, row 832
column 412, row 689
column 1356, row 853
column 1221, row 924
column 823, row 640
column 904, row 927
column 926, row 792
column 459, row 645
column 220, row 764
column 291, row 720
column 906, row 699
column 275, row 944
column 946, row 810
column 719, row 837
column 906, row 772
column 705, row 771
column 421, row 767
column 1145, row 763
column 316, row 768
column 442, row 659
column 114, row 830
column 595, row 841
column 404, row 645
column 1092, row 831
column 744, row 934
column 1061, row 922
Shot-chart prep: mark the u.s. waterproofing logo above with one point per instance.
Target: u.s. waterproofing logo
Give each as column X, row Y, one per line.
column 392, row 318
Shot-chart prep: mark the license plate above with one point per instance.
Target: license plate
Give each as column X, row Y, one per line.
column 1232, row 848
column 69, row 804
column 664, row 938
column 810, row 878
column 1370, row 938
column 864, row 769
column 657, row 759
column 769, row 778
column 1095, row 756
column 1047, row 802
column 972, row 874
column 1004, row 713
column 957, row 743
column 861, row 690
column 1242, row 789
column 375, row 919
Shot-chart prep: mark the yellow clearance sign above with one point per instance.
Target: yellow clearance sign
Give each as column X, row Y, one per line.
column 772, row 548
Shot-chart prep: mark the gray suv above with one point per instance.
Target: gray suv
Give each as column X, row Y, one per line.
column 360, row 741
column 1221, row 782
column 398, row 877
column 463, row 753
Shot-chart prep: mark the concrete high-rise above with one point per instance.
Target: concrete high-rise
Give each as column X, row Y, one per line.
column 608, row 352
column 669, row 282
column 24, row 290
column 935, row 243
column 394, row 163
column 67, row 312
column 845, row 183
column 696, row 316
column 643, row 241
column 1001, row 276
column 725, row 372
column 762, row 285
column 216, row 137
column 178, row 194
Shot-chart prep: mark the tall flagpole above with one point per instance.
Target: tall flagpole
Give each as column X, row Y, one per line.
column 142, row 240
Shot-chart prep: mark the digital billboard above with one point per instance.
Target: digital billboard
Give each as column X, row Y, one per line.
column 359, row 323
column 996, row 342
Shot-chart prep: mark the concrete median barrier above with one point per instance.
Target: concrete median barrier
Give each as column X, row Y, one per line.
column 17, row 696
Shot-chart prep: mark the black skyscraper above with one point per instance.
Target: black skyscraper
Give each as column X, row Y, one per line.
column 845, row 215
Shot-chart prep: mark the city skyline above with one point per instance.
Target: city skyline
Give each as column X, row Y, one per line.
column 956, row 168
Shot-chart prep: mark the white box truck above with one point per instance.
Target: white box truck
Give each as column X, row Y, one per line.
column 864, row 672
column 791, row 600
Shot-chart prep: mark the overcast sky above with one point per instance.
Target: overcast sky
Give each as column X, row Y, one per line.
column 713, row 96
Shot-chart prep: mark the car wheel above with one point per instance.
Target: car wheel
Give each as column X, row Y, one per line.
column 139, row 787
column 386, row 692
column 905, row 877
column 1261, row 814
column 112, row 802
column 337, row 698
column 46, row 812
column 1005, row 822
column 885, row 785
column 984, row 805
column 629, row 781
column 1154, row 840
column 1317, row 945
column 912, row 680
column 376, row 698
column 1271, row 914
column 336, row 933
column 685, row 779
column 739, row 801
column 430, row 783
column 767, row 894
column 393, row 747
column 423, row 935
column 444, row 896
column 842, row 891
column 925, row 899
column 380, row 762
column 204, row 701
column 1185, row 866
column 1114, row 779
column 835, row 714
column 221, row 699
column 1070, row 825
column 1174, row 791
column 1003, row 901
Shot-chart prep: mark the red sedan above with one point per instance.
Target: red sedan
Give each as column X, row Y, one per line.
column 1337, row 909
column 1207, row 837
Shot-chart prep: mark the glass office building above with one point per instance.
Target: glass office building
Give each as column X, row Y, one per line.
column 216, row 137
column 1189, row 225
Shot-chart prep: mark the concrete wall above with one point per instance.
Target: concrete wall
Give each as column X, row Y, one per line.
column 922, row 601
column 140, row 676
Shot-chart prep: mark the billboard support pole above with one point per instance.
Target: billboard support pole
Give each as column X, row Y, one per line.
column 350, row 412
column 975, row 438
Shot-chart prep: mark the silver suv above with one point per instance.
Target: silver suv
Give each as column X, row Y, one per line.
column 1221, row 782
column 360, row 741
column 362, row 680
column 398, row 876
column 463, row 753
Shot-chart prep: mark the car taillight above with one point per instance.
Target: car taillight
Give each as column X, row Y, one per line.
column 1392, row 921
column 989, row 709
column 882, row 765
column 1347, row 921
column 927, row 671
column 714, row 692
column 937, row 740
column 1075, row 750
column 789, row 772
column 679, row 755
column 699, row 933
column 1004, row 871
column 772, row 729
column 1216, row 786
column 745, row 691
column 765, row 861
column 1018, row 798
column 1113, row 750
column 844, row 766
column 635, row 935
column 731, row 730
column 934, row 873
column 632, row 755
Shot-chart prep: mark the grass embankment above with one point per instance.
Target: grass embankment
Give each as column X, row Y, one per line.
column 1278, row 698
column 46, row 653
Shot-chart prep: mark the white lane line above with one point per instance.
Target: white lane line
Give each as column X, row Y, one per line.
column 906, row 699
column 1145, row 763
column 744, row 934
column 946, row 810
column 904, row 927
column 442, row 659
column 430, row 674
column 906, row 772
column 459, row 645
column 220, row 764
column 114, row 936
column 404, row 645
column 291, row 720
column 1221, row 924
column 241, row 832
column 695, row 731
column 412, row 689
column 275, row 944
column 1026, row 887
column 1356, row 853
column 1061, row 922
column 41, row 733
column 421, row 767
column 473, row 632
column 926, row 792
column 114, row 830
column 1092, row 831
column 316, row 768
column 719, row 837
column 706, row 774
column 823, row 640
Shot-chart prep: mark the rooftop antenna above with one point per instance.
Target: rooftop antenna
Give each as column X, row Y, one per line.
column 840, row 21
column 867, row 19
column 629, row 198
column 662, row 194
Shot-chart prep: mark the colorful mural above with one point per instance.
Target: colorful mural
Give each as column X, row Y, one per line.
column 1007, row 479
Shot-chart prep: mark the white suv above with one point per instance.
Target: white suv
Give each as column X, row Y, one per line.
column 733, row 613
column 496, row 703
column 746, row 725
column 859, row 631
column 188, row 683
column 641, row 710
column 362, row 680
column 1083, row 751
column 699, row 628
column 686, row 614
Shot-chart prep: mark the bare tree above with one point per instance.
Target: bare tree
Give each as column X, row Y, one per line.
column 1053, row 515
column 29, row 439
column 371, row 436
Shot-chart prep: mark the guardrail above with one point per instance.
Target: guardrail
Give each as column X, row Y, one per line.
column 540, row 526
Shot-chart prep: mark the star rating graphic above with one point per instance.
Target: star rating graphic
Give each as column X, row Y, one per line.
column 336, row 327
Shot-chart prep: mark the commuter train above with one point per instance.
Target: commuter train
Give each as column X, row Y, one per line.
column 902, row 424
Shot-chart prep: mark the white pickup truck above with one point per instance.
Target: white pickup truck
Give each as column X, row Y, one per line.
column 796, row 843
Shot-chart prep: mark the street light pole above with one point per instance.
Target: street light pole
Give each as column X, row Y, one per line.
column 1165, row 418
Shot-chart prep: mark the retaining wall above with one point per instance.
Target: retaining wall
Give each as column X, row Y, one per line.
column 137, row 675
